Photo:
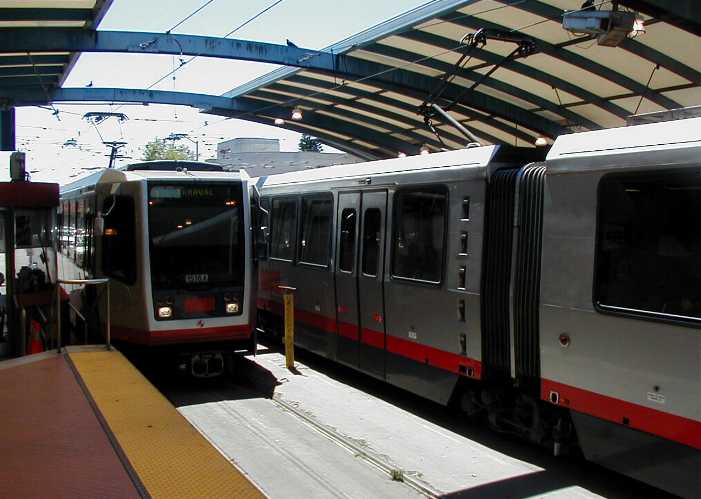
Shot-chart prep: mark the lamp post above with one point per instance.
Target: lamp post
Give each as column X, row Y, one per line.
column 178, row 136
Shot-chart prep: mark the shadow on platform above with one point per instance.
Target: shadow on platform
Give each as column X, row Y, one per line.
column 247, row 380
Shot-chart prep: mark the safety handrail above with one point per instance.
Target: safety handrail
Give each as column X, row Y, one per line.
column 86, row 282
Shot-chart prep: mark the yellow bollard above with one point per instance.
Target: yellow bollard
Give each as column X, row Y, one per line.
column 289, row 304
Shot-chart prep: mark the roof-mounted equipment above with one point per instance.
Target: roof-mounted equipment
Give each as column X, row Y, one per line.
column 610, row 27
column 430, row 109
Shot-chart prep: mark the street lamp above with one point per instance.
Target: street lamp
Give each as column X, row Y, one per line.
column 178, row 136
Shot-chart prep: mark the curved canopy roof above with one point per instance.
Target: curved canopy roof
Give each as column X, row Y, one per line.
column 504, row 69
column 47, row 69
column 567, row 83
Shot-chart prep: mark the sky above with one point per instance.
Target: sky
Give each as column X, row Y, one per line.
column 59, row 148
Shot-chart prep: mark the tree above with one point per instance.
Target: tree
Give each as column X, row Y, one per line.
column 160, row 149
column 309, row 144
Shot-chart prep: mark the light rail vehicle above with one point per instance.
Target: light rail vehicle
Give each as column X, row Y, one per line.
column 557, row 296
column 174, row 239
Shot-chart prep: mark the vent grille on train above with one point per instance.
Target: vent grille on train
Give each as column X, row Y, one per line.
column 527, row 276
column 496, row 274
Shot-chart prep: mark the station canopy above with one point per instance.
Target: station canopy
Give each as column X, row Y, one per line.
column 49, row 69
column 506, row 70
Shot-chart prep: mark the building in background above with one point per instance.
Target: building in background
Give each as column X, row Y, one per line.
column 261, row 157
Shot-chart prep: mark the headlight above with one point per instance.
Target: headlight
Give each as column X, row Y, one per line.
column 165, row 312
column 232, row 308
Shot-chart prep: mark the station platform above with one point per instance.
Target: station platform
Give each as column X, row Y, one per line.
column 86, row 423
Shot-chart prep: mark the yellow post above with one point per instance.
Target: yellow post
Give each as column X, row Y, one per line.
column 289, row 304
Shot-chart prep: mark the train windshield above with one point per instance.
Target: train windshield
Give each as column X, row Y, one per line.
column 196, row 233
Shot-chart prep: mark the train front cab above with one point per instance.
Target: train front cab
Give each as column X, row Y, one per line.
column 175, row 247
column 620, row 304
column 386, row 258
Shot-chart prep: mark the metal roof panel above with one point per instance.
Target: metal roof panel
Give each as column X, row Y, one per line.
column 478, row 157
column 588, row 151
column 45, row 14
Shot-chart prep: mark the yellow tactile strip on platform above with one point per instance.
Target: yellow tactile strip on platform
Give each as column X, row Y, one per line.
column 171, row 458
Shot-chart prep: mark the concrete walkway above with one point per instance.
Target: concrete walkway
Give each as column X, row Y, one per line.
column 311, row 434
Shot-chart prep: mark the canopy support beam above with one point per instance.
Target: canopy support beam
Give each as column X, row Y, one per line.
column 7, row 129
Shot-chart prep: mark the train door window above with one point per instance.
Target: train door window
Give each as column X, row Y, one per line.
column 119, row 239
column 419, row 236
column 259, row 224
column 346, row 252
column 284, row 222
column 648, row 245
column 371, row 241
column 316, row 230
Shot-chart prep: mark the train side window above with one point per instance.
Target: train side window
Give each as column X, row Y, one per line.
column 89, row 234
column 86, row 241
column 346, row 252
column 65, row 218
column 419, row 235
column 59, row 227
column 119, row 239
column 316, row 230
column 70, row 238
column 648, row 245
column 80, row 233
column 284, row 222
column 371, row 241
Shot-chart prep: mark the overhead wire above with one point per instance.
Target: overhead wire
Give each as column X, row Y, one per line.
column 647, row 88
column 190, row 15
column 184, row 62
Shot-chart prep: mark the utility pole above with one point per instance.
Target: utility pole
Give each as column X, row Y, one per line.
column 97, row 117
column 114, row 151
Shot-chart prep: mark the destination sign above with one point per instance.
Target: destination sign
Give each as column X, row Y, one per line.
column 182, row 192
column 196, row 278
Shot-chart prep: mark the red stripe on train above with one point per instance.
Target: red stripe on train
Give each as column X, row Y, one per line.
column 316, row 320
column 434, row 357
column 663, row 424
column 171, row 336
column 373, row 338
column 421, row 353
column 346, row 330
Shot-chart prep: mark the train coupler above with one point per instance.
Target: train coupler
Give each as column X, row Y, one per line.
column 203, row 364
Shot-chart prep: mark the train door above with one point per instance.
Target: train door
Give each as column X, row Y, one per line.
column 346, row 272
column 370, row 283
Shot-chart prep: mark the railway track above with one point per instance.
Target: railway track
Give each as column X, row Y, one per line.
column 393, row 472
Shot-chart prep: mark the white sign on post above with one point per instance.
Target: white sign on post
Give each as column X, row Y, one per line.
column 18, row 171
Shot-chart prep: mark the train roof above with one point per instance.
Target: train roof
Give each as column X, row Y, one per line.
column 108, row 176
column 173, row 165
column 668, row 141
column 478, row 157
